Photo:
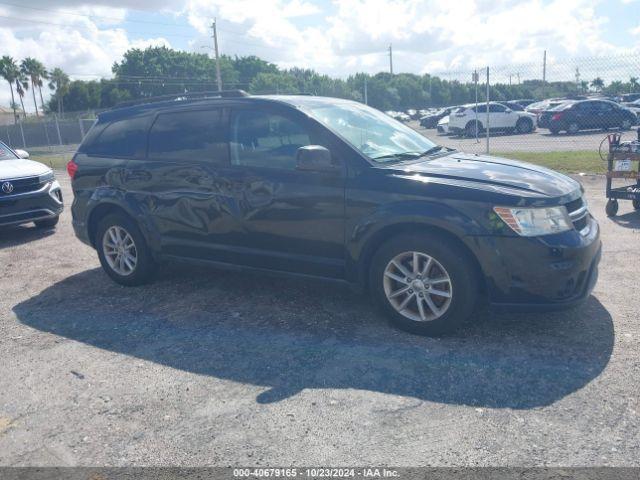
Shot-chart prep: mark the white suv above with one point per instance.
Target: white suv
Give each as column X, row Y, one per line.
column 467, row 121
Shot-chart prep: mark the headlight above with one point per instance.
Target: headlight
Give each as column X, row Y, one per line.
column 532, row 222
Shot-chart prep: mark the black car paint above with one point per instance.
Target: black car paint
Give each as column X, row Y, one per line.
column 328, row 224
column 585, row 118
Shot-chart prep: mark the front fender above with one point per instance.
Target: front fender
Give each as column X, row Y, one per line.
column 364, row 236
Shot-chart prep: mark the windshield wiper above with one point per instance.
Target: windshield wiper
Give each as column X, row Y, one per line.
column 412, row 155
column 432, row 150
column 401, row 155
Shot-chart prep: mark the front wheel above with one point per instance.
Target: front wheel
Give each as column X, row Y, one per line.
column 611, row 208
column 123, row 252
column 425, row 285
column 472, row 129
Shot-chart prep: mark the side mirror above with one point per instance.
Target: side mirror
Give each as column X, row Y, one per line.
column 22, row 153
column 314, row 158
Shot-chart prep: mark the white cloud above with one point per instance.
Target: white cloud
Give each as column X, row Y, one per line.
column 84, row 47
column 338, row 37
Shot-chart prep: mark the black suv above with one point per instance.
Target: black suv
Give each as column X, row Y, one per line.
column 330, row 188
column 29, row 191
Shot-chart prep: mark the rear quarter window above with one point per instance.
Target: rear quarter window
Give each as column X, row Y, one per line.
column 126, row 138
column 189, row 135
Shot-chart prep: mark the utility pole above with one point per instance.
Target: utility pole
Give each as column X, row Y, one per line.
column 215, row 46
column 390, row 59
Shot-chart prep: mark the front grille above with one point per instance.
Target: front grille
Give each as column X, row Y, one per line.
column 25, row 185
column 574, row 205
column 578, row 213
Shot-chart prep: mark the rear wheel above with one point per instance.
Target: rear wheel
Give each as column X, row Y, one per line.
column 123, row 252
column 47, row 222
column 424, row 284
column 612, row 208
column 554, row 130
column 524, row 125
column 573, row 127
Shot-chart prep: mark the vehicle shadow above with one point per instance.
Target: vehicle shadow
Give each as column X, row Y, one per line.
column 628, row 220
column 18, row 235
column 289, row 335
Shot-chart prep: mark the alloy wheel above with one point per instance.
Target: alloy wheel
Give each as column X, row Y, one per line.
column 119, row 250
column 417, row 286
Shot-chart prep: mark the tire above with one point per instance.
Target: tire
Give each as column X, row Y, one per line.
column 554, row 130
column 472, row 129
column 447, row 261
column 47, row 222
column 524, row 126
column 612, row 208
column 144, row 266
column 636, row 204
column 626, row 124
column 573, row 128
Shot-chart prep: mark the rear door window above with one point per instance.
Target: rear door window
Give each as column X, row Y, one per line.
column 189, row 135
column 126, row 138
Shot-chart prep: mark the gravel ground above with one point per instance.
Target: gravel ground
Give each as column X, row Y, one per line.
column 206, row 367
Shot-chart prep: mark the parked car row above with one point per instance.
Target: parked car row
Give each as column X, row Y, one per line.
column 569, row 114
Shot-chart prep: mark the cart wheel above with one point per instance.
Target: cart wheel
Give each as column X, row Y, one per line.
column 612, row 208
column 636, row 204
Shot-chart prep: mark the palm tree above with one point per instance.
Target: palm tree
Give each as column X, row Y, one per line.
column 584, row 85
column 59, row 83
column 9, row 71
column 22, row 85
column 597, row 83
column 36, row 72
column 633, row 84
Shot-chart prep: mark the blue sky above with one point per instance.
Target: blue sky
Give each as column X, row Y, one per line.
column 337, row 37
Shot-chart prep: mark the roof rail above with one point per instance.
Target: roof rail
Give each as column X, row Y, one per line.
column 184, row 96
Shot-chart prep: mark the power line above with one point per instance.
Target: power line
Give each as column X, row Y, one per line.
column 116, row 19
column 134, row 32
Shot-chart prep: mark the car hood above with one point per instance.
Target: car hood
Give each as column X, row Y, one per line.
column 517, row 177
column 18, row 168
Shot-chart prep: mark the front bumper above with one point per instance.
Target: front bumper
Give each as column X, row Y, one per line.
column 44, row 203
column 549, row 272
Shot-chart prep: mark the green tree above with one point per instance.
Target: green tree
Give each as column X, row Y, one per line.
column 597, row 83
column 59, row 84
column 10, row 72
column 633, row 84
column 36, row 72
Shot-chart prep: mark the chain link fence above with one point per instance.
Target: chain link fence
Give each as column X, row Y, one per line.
column 549, row 110
column 558, row 109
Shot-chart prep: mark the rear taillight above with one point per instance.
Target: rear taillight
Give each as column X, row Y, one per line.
column 72, row 168
column 556, row 116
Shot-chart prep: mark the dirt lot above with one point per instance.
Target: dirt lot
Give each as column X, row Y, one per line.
column 214, row 368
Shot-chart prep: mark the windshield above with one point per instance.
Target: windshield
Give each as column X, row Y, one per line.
column 370, row 131
column 5, row 153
